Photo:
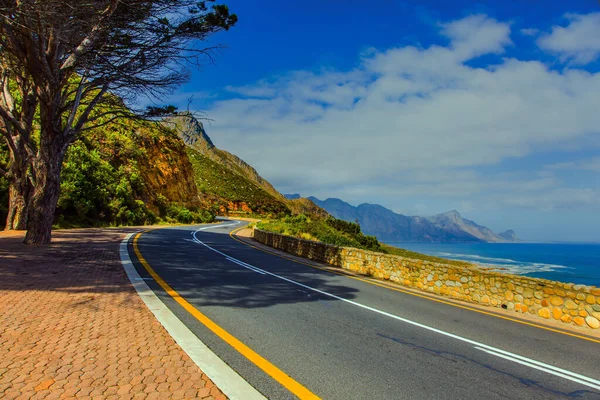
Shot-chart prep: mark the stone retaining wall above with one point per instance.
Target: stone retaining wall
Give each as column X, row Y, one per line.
column 566, row 302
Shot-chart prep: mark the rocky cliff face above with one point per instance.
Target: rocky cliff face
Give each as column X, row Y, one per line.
column 166, row 171
column 227, row 182
column 389, row 226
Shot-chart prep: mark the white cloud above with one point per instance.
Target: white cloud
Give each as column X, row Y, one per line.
column 410, row 122
column 476, row 35
column 578, row 42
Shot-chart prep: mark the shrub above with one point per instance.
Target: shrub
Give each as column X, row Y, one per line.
column 185, row 216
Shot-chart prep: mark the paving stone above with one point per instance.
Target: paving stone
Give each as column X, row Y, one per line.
column 72, row 326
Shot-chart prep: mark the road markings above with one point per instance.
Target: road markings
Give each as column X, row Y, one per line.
column 549, row 369
column 243, row 264
column 229, row 381
column 572, row 376
column 277, row 374
column 412, row 293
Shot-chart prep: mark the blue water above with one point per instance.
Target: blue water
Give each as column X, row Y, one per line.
column 577, row 263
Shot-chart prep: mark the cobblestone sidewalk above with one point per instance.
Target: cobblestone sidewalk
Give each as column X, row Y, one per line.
column 72, row 326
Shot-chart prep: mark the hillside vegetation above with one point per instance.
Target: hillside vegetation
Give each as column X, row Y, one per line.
column 340, row 233
column 228, row 192
column 125, row 173
column 330, row 230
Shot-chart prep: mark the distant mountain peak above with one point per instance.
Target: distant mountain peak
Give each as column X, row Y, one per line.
column 509, row 235
column 451, row 213
column 387, row 225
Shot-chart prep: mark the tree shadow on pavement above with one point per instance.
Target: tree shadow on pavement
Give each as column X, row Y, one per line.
column 77, row 260
column 207, row 278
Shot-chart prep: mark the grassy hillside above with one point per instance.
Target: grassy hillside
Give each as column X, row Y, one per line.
column 231, row 192
column 192, row 132
column 340, row 233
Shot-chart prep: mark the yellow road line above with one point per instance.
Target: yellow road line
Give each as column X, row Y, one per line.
column 262, row 363
column 424, row 296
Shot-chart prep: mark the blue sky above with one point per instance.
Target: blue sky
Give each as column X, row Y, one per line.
column 487, row 107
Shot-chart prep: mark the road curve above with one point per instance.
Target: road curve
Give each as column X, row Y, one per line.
column 341, row 338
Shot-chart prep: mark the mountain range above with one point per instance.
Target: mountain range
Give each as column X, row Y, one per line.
column 389, row 226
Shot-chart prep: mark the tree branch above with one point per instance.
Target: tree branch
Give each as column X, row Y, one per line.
column 88, row 41
column 86, row 113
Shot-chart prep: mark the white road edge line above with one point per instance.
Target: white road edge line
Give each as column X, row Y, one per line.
column 226, row 379
column 242, row 264
column 535, row 366
column 550, row 369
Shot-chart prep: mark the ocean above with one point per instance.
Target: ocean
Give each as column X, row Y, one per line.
column 576, row 263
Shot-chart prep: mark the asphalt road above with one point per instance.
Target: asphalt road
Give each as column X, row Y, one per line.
column 346, row 339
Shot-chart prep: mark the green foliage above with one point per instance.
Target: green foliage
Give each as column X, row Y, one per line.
column 176, row 213
column 330, row 230
column 94, row 192
column 102, row 181
column 340, row 233
column 350, row 228
column 215, row 179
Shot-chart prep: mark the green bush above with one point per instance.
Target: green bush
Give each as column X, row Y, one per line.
column 185, row 216
column 177, row 213
column 331, row 230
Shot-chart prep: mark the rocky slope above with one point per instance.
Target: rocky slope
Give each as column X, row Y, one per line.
column 228, row 183
column 389, row 226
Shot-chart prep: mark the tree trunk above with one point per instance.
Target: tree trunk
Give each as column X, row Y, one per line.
column 46, row 168
column 43, row 204
column 19, row 191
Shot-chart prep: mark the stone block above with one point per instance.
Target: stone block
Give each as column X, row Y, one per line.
column 556, row 313
column 592, row 322
column 548, row 290
column 544, row 313
column 566, row 318
column 556, row 301
column 518, row 298
column 571, row 305
column 527, row 293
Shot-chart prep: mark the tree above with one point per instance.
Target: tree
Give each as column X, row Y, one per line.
column 71, row 65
